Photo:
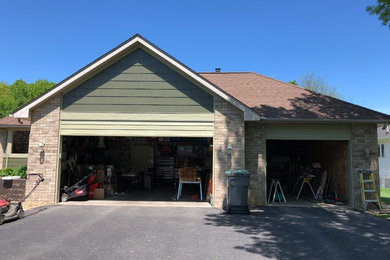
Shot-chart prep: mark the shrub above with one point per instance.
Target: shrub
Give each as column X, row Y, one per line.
column 21, row 171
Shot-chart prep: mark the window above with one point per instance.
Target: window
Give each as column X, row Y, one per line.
column 20, row 141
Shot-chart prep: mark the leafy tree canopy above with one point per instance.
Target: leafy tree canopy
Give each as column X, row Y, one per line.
column 317, row 84
column 20, row 93
column 382, row 10
column 293, row 82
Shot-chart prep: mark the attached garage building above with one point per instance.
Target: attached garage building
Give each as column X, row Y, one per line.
column 139, row 91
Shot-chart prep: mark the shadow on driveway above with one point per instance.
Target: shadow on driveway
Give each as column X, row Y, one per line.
column 315, row 232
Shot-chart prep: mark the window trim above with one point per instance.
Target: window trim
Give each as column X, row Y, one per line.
column 7, row 155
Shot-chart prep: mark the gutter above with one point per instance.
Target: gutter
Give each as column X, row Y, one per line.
column 329, row 121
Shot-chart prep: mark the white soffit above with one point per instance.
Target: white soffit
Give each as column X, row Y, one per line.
column 24, row 112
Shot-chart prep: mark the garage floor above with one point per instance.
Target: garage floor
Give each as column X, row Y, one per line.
column 163, row 193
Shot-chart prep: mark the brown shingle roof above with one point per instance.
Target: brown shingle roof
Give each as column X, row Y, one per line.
column 14, row 122
column 275, row 99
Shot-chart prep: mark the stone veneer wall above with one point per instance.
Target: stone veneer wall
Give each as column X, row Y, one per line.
column 3, row 142
column 229, row 129
column 256, row 162
column 363, row 138
column 44, row 127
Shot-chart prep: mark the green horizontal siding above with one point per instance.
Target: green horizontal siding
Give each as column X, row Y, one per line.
column 145, row 101
column 158, row 117
column 135, row 108
column 138, row 96
column 138, row 82
column 112, row 95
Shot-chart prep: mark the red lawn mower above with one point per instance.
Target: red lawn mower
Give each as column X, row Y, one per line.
column 80, row 189
column 8, row 210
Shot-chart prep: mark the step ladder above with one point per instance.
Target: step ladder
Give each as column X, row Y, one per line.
column 368, row 189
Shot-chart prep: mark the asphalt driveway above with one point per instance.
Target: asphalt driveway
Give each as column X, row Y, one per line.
column 112, row 232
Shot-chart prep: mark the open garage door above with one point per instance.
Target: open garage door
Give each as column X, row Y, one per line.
column 318, row 165
column 157, row 125
column 311, row 162
column 136, row 168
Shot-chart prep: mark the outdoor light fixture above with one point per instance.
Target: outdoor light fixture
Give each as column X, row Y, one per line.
column 41, row 145
column 229, row 149
column 385, row 127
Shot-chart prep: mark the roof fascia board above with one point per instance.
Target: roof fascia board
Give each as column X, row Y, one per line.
column 24, row 112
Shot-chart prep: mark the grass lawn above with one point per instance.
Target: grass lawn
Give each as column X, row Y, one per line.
column 385, row 195
column 385, row 199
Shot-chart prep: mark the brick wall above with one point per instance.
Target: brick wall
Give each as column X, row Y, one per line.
column 2, row 145
column 364, row 144
column 255, row 162
column 6, row 186
column 229, row 129
column 44, row 127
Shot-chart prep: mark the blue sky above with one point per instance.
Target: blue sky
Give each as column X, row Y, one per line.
column 282, row 39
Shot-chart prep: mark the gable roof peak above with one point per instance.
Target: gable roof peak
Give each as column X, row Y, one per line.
column 106, row 59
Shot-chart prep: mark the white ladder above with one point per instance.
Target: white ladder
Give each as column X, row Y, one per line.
column 277, row 189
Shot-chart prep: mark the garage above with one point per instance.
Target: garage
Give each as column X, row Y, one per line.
column 310, row 166
column 142, row 127
column 138, row 168
column 139, row 117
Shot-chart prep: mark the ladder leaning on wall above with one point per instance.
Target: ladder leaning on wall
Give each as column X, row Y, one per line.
column 368, row 189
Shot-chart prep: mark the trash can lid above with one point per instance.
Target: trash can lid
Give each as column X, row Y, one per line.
column 237, row 172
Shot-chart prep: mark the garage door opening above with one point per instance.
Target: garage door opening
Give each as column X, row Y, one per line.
column 138, row 168
column 293, row 162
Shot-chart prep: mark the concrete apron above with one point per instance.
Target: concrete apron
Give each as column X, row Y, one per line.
column 161, row 204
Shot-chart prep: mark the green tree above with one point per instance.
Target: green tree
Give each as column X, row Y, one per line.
column 7, row 100
column 20, row 93
column 317, row 84
column 293, row 82
column 38, row 87
column 382, row 10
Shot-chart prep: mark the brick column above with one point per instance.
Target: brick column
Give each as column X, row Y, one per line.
column 3, row 143
column 229, row 129
column 255, row 162
column 364, row 144
column 45, row 123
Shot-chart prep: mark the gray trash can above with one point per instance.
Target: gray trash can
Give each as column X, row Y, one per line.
column 238, row 182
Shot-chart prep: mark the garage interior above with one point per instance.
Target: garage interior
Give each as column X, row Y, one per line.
column 138, row 168
column 323, row 165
